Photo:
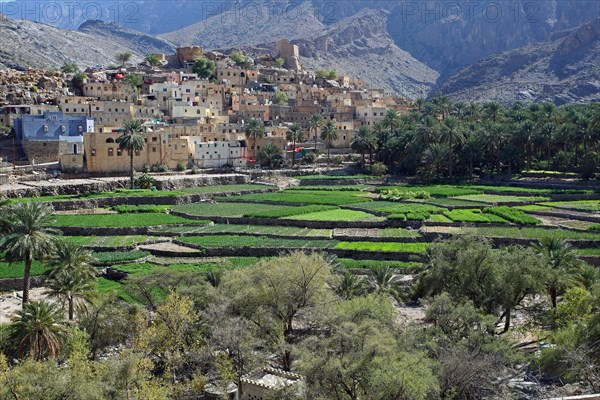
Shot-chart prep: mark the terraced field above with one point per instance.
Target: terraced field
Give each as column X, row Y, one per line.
column 380, row 225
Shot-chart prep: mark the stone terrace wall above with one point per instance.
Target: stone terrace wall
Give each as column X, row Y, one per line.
column 9, row 285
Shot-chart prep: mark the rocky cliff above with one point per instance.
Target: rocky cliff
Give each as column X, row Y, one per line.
column 563, row 70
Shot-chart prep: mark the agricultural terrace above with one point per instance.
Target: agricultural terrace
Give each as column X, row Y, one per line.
column 359, row 225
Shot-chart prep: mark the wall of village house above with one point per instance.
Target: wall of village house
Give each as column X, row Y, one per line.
column 217, row 154
column 103, row 154
column 39, row 152
column 109, row 91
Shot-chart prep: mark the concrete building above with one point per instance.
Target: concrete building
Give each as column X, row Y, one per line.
column 218, row 154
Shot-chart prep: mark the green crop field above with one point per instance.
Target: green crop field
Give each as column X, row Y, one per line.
column 107, row 241
column 266, row 230
column 384, row 247
column 233, row 241
column 337, row 215
column 333, row 198
column 120, row 256
column 290, row 211
column 120, row 220
column 513, row 215
column 235, row 209
column 530, row 233
column 583, row 205
column 449, row 202
column 16, row 270
column 499, row 199
column 434, row 190
column 473, row 215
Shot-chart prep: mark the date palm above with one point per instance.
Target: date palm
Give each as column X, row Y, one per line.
column 452, row 135
column 255, row 130
column 134, row 141
column 26, row 236
column 392, row 121
column 350, row 286
column 561, row 262
column 72, row 288
column 38, row 330
column 294, row 134
column 364, row 141
column 383, row 280
column 69, row 256
column 314, row 124
column 269, row 154
column 328, row 135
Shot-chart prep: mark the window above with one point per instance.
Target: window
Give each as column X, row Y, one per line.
column 45, row 128
column 154, row 149
column 80, row 128
column 119, row 152
column 137, row 153
column 110, row 140
column 66, row 110
column 154, row 139
column 110, row 151
column 63, row 128
column 93, row 152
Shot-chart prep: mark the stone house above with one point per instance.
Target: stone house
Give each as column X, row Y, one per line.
column 264, row 383
column 119, row 91
column 217, row 154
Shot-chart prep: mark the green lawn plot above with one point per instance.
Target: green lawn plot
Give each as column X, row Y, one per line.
column 260, row 230
column 500, row 199
column 17, row 269
column 398, row 208
column 337, row 215
column 594, row 252
column 120, row 220
column 234, row 241
column 532, row 207
column 237, row 209
column 107, row 241
column 582, row 205
column 512, row 215
column 441, row 218
column 385, row 247
column 433, row 190
column 473, row 215
column 398, row 233
column 367, row 264
column 290, row 211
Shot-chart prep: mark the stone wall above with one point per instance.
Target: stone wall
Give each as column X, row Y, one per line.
column 9, row 285
column 41, row 151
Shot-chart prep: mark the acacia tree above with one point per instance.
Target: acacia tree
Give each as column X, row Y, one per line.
column 26, row 236
column 294, row 134
column 134, row 141
column 329, row 134
column 123, row 58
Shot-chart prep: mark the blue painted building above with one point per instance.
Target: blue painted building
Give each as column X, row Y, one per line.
column 50, row 126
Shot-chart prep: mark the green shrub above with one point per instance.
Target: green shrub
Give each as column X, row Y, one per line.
column 337, row 160
column 512, row 215
column 144, row 182
column 181, row 167
column 400, row 195
column 378, row 169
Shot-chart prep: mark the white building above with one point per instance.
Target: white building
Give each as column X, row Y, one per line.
column 217, row 154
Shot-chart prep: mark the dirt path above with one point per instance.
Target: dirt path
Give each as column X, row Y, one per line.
column 11, row 303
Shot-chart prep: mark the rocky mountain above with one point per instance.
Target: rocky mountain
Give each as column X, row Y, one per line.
column 563, row 70
column 30, row 44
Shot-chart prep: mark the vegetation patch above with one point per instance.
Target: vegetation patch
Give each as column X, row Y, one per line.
column 433, row 190
column 583, row 205
column 119, row 256
column 16, row 270
column 513, row 215
column 529, row 233
column 107, row 241
column 367, row 264
column 133, row 209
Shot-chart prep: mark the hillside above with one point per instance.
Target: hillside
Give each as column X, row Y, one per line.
column 563, row 70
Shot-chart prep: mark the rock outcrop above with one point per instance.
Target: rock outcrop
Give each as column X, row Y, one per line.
column 564, row 70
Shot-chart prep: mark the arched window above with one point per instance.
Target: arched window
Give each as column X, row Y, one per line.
column 110, row 140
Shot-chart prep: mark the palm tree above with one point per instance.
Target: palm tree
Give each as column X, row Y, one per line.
column 26, row 236
column 350, row 286
column 392, row 121
column 269, row 154
column 561, row 262
column 255, row 130
column 329, row 134
column 133, row 141
column 68, row 256
column 71, row 288
column 434, row 158
column 383, row 280
column 452, row 135
column 294, row 134
column 363, row 141
column 38, row 330
column 314, row 124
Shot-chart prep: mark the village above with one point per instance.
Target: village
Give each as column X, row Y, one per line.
column 192, row 121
